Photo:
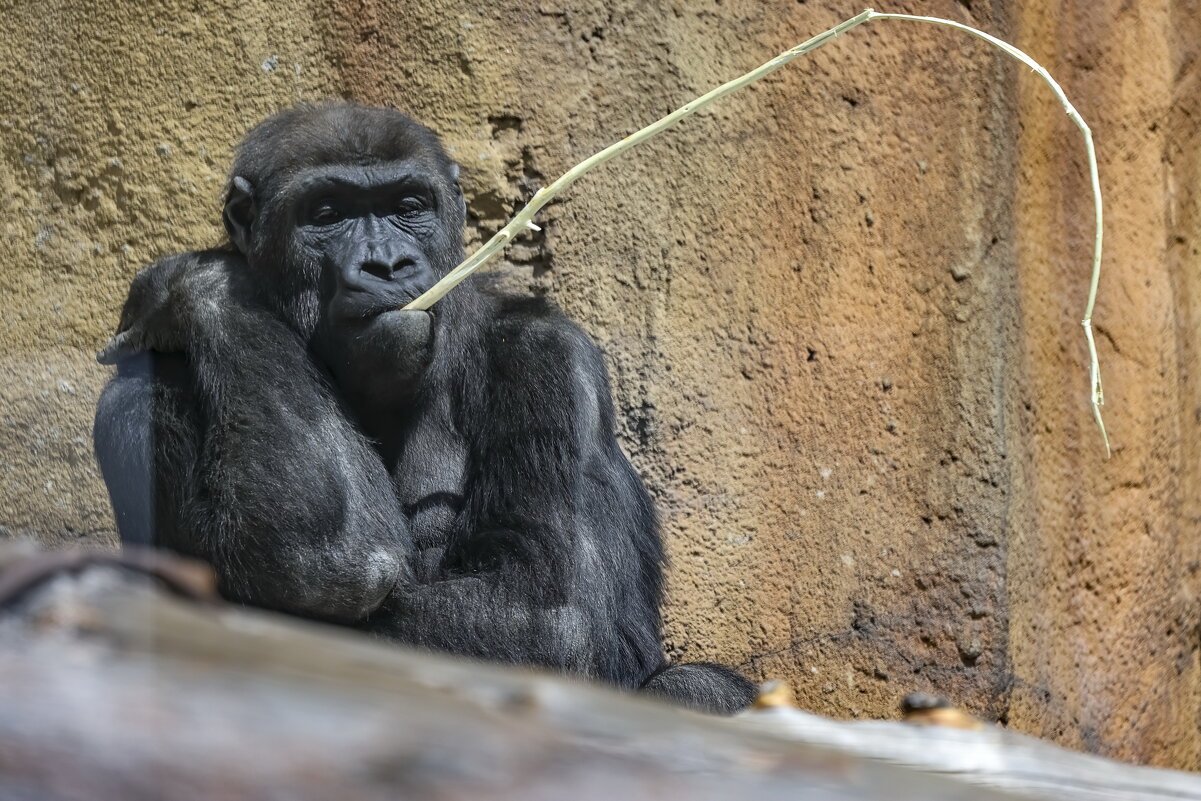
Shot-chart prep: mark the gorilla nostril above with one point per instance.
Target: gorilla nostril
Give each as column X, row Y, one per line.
column 381, row 269
column 378, row 269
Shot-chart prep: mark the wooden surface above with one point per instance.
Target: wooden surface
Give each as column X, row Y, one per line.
column 111, row 688
column 989, row 757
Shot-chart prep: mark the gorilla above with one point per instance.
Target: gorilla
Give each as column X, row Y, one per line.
column 449, row 479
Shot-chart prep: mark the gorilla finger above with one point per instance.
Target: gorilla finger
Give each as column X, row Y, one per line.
column 125, row 344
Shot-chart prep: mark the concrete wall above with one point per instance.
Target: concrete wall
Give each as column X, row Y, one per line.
column 841, row 309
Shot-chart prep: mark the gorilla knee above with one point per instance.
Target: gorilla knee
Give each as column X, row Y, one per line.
column 702, row 686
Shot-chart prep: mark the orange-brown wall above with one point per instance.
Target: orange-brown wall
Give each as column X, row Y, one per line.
column 841, row 308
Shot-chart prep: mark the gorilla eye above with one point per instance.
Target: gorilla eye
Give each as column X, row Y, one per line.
column 325, row 213
column 410, row 207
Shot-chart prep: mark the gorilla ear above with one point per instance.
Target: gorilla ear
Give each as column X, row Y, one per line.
column 239, row 214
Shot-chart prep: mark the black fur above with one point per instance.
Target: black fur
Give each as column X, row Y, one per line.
column 447, row 479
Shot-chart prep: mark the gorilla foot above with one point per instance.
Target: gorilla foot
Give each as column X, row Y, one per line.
column 703, row 686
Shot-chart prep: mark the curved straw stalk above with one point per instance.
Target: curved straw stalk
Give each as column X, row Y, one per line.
column 524, row 218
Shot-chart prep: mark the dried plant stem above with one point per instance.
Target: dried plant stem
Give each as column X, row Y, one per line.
column 1097, row 396
column 548, row 193
column 524, row 218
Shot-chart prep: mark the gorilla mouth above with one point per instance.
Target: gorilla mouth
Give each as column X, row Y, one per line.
column 365, row 305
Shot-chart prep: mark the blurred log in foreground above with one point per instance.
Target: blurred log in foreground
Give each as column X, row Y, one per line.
column 118, row 684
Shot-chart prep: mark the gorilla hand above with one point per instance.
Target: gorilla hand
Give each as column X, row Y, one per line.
column 380, row 357
column 168, row 302
column 402, row 341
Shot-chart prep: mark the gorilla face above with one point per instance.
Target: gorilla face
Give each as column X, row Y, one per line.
column 379, row 241
column 375, row 233
column 342, row 244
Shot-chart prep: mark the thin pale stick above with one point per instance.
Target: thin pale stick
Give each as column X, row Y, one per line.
column 524, row 218
column 1097, row 395
column 547, row 194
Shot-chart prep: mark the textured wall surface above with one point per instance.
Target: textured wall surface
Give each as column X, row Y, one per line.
column 840, row 309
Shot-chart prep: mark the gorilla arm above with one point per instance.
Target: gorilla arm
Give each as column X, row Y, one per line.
column 553, row 557
column 219, row 438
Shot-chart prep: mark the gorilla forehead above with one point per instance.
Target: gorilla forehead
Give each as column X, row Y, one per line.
column 337, row 133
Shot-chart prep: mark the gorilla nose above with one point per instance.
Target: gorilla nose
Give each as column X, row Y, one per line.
column 381, row 269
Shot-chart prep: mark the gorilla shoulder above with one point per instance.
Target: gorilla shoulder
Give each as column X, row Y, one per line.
column 532, row 336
